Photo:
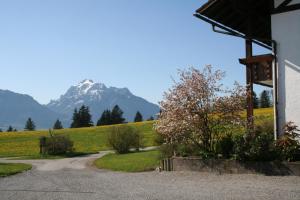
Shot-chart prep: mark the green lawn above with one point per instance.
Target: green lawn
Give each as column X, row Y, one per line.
column 131, row 162
column 86, row 140
column 7, row 169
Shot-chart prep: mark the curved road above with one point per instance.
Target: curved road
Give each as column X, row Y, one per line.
column 75, row 179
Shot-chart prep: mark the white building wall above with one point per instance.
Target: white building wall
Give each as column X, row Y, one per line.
column 286, row 32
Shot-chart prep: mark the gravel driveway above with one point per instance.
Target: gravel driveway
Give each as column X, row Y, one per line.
column 74, row 179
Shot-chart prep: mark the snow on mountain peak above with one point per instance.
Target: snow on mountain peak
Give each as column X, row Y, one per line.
column 85, row 82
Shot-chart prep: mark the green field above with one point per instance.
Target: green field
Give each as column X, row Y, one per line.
column 86, row 140
column 131, row 162
column 7, row 169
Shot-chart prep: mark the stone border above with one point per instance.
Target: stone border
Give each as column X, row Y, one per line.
column 234, row 166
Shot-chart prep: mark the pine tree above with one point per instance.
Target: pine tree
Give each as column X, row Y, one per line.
column 82, row 118
column 138, row 117
column 58, row 125
column 265, row 101
column 10, row 129
column 255, row 100
column 75, row 119
column 117, row 115
column 150, row 118
column 105, row 118
column 29, row 126
column 85, row 118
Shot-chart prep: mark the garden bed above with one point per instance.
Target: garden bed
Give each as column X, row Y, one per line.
column 234, row 166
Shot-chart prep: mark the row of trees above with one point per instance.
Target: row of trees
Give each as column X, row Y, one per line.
column 29, row 126
column 83, row 118
column 264, row 100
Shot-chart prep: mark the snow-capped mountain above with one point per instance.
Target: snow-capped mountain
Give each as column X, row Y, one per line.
column 99, row 97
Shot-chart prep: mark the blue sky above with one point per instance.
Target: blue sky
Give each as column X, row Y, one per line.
column 48, row 45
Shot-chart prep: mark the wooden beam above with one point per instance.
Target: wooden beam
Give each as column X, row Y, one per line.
column 257, row 59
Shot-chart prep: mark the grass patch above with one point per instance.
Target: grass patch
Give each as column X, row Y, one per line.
column 7, row 169
column 86, row 140
column 132, row 162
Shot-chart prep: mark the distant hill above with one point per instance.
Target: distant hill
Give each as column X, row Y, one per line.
column 99, row 97
column 16, row 108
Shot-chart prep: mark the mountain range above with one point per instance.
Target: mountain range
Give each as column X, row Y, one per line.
column 16, row 108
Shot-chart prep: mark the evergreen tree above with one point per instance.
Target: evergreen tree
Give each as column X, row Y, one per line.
column 82, row 118
column 29, row 126
column 58, row 125
column 105, row 118
column 255, row 100
column 85, row 118
column 75, row 119
column 117, row 115
column 150, row 118
column 10, row 129
column 138, row 117
column 265, row 101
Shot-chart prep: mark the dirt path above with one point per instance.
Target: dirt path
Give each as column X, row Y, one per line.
column 81, row 162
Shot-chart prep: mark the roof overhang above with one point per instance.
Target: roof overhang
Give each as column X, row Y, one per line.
column 249, row 18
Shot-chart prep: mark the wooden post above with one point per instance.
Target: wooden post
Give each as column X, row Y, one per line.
column 249, row 87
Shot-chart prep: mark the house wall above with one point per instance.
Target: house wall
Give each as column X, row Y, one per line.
column 286, row 32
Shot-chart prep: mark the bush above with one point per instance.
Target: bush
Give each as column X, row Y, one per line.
column 240, row 147
column 122, row 138
column 224, row 146
column 262, row 148
column 167, row 151
column 267, row 126
column 56, row 145
column 185, row 150
column 158, row 139
column 287, row 145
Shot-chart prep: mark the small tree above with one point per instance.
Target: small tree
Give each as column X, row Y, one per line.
column 75, row 119
column 265, row 101
column 150, row 118
column 138, row 117
column 29, row 126
column 105, row 118
column 1, row 130
column 10, row 129
column 58, row 125
column 117, row 115
column 197, row 109
column 255, row 100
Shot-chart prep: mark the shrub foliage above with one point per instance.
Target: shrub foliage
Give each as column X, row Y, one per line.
column 56, row 145
column 122, row 138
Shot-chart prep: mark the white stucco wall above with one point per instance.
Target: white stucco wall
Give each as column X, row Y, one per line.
column 286, row 32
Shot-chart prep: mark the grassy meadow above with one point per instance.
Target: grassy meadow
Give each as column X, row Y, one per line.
column 86, row 140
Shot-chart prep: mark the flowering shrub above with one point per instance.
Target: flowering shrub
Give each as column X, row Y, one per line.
column 198, row 108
